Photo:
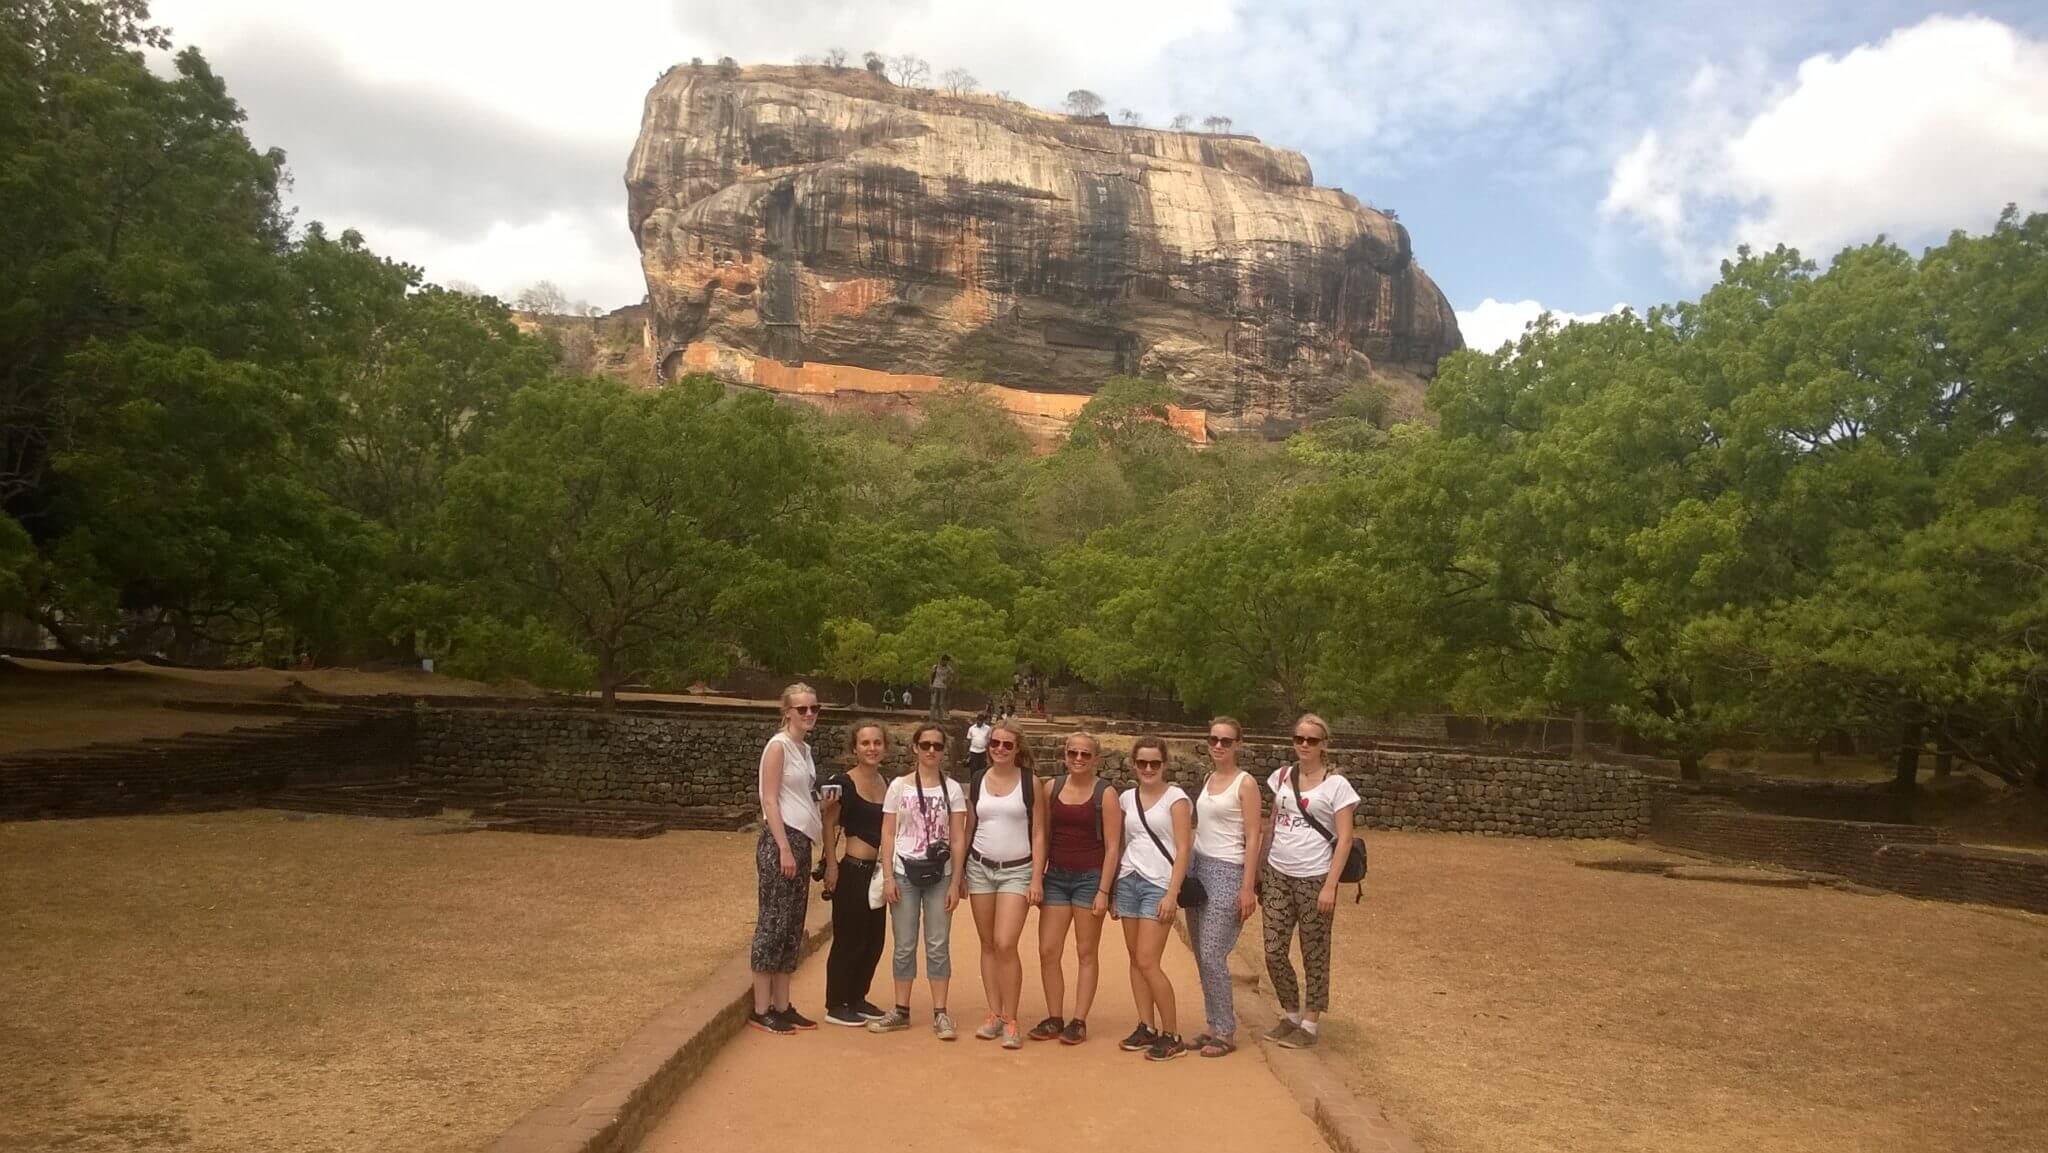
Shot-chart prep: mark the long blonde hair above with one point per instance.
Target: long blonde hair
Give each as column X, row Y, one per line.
column 1023, row 746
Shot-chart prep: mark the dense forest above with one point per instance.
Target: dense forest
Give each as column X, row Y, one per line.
column 1815, row 499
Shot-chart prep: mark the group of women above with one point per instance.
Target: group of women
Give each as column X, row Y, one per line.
column 909, row 850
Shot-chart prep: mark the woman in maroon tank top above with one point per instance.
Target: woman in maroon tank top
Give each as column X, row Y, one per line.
column 1081, row 840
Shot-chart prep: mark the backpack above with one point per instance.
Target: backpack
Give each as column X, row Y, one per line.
column 1101, row 786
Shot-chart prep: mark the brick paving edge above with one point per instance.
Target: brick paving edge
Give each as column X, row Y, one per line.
column 1349, row 1122
column 615, row 1105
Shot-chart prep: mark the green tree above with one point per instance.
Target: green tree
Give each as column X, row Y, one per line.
column 633, row 529
column 973, row 632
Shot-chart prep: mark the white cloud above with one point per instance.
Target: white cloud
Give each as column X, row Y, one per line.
column 1936, row 127
column 1491, row 323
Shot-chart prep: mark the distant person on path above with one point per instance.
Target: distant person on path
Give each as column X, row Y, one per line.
column 924, row 837
column 790, row 826
column 977, row 743
column 1083, row 839
column 1158, row 831
column 888, row 697
column 853, row 822
column 942, row 683
column 1005, row 874
column 1299, row 888
column 1228, row 821
column 907, row 702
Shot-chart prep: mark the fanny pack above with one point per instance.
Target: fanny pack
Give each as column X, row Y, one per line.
column 929, row 869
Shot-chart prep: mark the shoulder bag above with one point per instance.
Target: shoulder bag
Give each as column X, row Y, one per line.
column 1354, row 861
column 1193, row 894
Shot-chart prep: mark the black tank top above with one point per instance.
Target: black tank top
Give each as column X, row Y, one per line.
column 859, row 816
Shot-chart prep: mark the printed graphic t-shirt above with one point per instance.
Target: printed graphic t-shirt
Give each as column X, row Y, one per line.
column 1298, row 850
column 921, row 819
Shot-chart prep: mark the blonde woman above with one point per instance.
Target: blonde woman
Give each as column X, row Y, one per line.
column 1158, row 829
column 853, row 850
column 1082, row 841
column 924, row 827
column 1312, row 812
column 1005, row 873
column 1228, row 824
column 790, row 826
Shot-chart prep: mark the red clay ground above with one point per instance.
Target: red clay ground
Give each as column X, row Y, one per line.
column 258, row 981
column 1496, row 997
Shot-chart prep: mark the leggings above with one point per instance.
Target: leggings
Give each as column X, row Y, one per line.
column 1213, row 930
column 779, row 928
column 857, row 934
column 1290, row 902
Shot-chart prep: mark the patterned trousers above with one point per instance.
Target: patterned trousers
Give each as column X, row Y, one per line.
column 779, row 929
column 1213, row 929
column 1287, row 903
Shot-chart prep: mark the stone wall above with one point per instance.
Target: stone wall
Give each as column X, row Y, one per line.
column 1448, row 791
column 1916, row 860
column 213, row 770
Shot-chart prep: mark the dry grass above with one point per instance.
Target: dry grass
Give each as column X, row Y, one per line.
column 1496, row 997
column 52, row 704
column 261, row 981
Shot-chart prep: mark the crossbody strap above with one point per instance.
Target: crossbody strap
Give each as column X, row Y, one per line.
column 1138, row 803
column 1302, row 802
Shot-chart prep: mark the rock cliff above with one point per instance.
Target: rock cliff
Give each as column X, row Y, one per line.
column 805, row 216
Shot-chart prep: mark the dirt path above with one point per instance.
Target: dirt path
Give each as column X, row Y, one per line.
column 917, row 1094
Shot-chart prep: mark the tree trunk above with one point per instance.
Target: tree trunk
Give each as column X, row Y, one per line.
column 1907, row 769
column 1944, row 755
column 1579, row 736
column 607, row 683
column 1688, row 765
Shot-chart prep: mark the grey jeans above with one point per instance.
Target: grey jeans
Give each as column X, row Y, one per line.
column 929, row 903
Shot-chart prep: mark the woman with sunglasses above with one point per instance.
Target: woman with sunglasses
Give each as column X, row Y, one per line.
column 1299, row 889
column 924, row 825
column 853, row 823
column 1158, row 820
column 1005, row 873
column 1081, row 840
column 790, row 826
column 1228, row 821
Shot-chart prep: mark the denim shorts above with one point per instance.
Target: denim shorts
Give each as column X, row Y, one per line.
column 1076, row 887
column 982, row 879
column 1138, row 897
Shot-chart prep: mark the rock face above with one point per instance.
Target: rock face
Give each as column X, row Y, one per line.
column 820, row 217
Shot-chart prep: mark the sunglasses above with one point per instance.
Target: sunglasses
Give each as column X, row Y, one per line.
column 1147, row 762
column 1309, row 741
column 1222, row 742
column 1002, row 744
column 1080, row 754
column 806, row 710
column 932, row 746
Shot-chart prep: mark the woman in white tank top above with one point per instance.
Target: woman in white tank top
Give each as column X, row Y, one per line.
column 790, row 827
column 1228, row 823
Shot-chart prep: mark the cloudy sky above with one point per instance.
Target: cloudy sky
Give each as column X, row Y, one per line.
column 1573, row 155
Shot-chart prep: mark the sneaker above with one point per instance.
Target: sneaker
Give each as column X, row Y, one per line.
column 771, row 1022
column 1281, row 1031
column 1047, row 1029
column 850, row 1018
column 1012, row 1039
column 892, row 1021
column 867, row 1011
column 1166, row 1048
column 1141, row 1038
column 942, row 1026
column 1300, row 1039
column 798, row 1021
column 1075, row 1032
column 990, row 1029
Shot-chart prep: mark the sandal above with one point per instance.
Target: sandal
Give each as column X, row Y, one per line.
column 1217, row 1047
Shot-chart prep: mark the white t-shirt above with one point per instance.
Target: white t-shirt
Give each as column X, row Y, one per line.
column 1219, row 821
column 799, row 785
column 1141, row 855
column 1002, row 823
column 1298, row 850
column 977, row 737
column 921, row 813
